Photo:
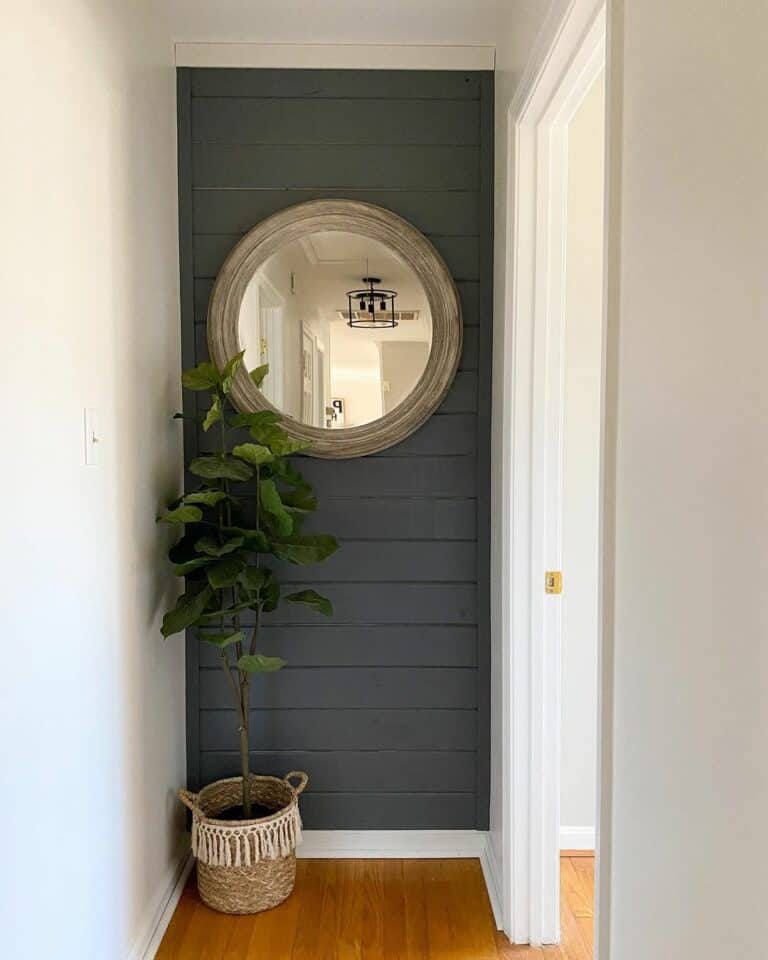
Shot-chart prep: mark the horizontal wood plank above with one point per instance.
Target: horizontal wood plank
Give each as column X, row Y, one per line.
column 328, row 644
column 304, row 120
column 370, row 771
column 392, row 518
column 324, row 165
column 386, row 602
column 350, row 687
column 389, row 811
column 432, row 477
column 450, row 213
column 380, row 561
column 342, row 729
column 363, row 84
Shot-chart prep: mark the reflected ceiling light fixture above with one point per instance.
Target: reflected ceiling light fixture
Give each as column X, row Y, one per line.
column 375, row 306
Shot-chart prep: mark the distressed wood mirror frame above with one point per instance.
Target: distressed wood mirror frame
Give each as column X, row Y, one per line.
column 364, row 219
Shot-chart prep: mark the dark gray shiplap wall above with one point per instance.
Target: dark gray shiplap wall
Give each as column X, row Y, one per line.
column 385, row 706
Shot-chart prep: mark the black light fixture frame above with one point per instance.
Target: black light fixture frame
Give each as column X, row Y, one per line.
column 369, row 299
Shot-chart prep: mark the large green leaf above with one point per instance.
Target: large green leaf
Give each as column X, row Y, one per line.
column 214, row 413
column 259, row 663
column 184, row 548
column 222, row 640
column 258, row 418
column 258, row 374
column 182, row 514
column 312, row 599
column 253, row 453
column 288, row 474
column 204, row 376
column 208, row 498
column 224, row 572
column 220, row 468
column 307, row 548
column 278, row 441
column 270, row 596
column 225, row 613
column 301, row 499
column 230, row 369
column 273, row 505
column 254, row 578
column 253, row 539
column 187, row 611
column 212, row 547
column 188, row 566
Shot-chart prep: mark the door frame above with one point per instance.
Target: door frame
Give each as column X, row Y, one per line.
column 548, row 95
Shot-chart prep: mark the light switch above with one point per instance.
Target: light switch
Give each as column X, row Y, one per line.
column 91, row 436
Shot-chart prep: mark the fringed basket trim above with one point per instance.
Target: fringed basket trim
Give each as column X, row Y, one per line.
column 236, row 845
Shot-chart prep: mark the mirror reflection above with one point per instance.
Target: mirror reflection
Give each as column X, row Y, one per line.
column 344, row 325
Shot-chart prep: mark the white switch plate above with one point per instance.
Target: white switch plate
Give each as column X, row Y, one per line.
column 91, row 436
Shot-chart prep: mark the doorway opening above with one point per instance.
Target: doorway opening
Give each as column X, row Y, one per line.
column 555, row 322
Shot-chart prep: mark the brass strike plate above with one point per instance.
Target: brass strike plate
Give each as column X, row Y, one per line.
column 553, row 581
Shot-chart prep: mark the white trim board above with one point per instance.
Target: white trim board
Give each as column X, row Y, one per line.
column 493, row 880
column 336, row 56
column 161, row 910
column 577, row 838
column 391, row 844
column 569, row 55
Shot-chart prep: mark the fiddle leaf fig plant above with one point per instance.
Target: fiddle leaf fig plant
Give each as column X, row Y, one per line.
column 246, row 511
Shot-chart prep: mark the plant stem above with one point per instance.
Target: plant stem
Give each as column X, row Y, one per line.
column 242, row 693
column 244, row 746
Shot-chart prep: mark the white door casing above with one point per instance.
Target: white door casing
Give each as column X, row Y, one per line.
column 532, row 489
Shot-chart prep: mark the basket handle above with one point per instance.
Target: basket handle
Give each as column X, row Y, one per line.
column 302, row 777
column 189, row 800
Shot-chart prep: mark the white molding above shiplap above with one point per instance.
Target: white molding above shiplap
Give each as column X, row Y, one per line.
column 335, row 56
column 391, row 844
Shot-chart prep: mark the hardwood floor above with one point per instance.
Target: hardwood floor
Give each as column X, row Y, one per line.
column 379, row 910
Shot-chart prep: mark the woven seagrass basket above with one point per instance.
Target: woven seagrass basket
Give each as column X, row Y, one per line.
column 245, row 866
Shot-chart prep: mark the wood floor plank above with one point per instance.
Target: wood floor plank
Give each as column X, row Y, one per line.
column 177, row 928
column 379, row 910
column 575, row 890
column 206, row 936
column 395, row 942
column 416, row 926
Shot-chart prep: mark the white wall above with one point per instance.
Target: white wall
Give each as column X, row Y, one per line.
column 581, row 468
column 335, row 21
column 687, row 410
column 91, row 697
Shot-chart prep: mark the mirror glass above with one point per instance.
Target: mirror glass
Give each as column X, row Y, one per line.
column 344, row 325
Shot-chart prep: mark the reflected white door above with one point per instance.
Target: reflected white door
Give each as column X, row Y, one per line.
column 271, row 350
column 308, row 401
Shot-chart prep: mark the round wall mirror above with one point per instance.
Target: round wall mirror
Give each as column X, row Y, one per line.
column 355, row 314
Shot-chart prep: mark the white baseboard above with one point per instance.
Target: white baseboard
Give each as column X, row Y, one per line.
column 392, row 844
column 161, row 910
column 492, row 874
column 577, row 838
